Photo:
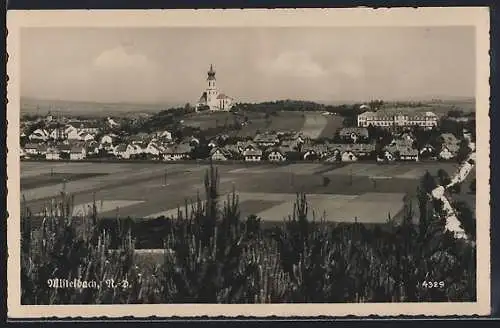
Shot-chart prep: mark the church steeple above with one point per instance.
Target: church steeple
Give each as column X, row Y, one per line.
column 211, row 73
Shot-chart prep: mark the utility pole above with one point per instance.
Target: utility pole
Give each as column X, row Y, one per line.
column 165, row 178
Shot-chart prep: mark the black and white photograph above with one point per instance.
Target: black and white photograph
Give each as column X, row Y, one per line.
column 281, row 161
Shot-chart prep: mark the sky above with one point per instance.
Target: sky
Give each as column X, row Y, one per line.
column 253, row 64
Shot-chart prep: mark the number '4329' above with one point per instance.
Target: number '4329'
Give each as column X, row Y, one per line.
column 433, row 284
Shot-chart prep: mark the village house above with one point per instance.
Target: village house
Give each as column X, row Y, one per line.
column 64, row 149
column 88, row 127
column 106, row 142
column 31, row 149
column 124, row 151
column 252, row 155
column 349, row 152
column 85, row 136
column 449, row 146
column 53, row 153
column 92, row 147
column 178, row 152
column 72, row 133
column 42, row 149
column 353, row 134
column 153, row 149
column 427, row 151
column 348, row 156
column 276, row 155
column 77, row 153
column 246, row 145
column 164, row 135
column 313, row 152
column 220, row 154
column 266, row 140
column 402, row 149
column 292, row 144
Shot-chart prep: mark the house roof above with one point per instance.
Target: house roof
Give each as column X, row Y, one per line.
column 252, row 152
column 355, row 148
column 77, row 149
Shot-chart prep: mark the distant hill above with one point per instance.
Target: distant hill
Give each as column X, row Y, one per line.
column 43, row 106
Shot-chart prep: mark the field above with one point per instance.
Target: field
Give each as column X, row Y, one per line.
column 363, row 192
column 311, row 124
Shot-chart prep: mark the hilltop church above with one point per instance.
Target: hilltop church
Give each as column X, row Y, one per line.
column 211, row 97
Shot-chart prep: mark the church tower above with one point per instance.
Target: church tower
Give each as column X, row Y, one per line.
column 211, row 89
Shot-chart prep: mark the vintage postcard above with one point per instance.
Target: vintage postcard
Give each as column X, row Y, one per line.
column 189, row 163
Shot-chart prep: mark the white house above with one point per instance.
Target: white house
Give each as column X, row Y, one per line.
column 31, row 149
column 178, row 152
column 77, row 153
column 85, row 136
column 276, row 156
column 164, row 135
column 348, row 156
column 53, row 154
column 219, row 154
column 252, row 155
column 106, row 142
column 152, row 149
column 446, row 153
column 72, row 133
column 124, row 151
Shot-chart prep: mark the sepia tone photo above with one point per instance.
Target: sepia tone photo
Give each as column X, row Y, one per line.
column 292, row 166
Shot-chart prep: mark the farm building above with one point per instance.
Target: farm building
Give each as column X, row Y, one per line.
column 246, row 145
column 178, row 152
column 77, row 153
column 220, row 154
column 124, row 151
column 348, row 156
column 276, row 155
column 42, row 149
column 253, row 155
column 53, row 154
column 266, row 140
column 31, row 149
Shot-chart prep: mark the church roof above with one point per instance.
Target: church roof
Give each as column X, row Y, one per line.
column 222, row 96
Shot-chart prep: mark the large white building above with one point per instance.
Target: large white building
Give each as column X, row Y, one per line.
column 212, row 98
column 397, row 118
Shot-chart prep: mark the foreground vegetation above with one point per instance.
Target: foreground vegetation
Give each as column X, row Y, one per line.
column 214, row 256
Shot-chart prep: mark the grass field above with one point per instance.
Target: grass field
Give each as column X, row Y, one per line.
column 333, row 124
column 362, row 191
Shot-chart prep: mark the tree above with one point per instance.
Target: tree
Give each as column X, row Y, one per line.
column 463, row 151
column 444, row 177
column 472, row 186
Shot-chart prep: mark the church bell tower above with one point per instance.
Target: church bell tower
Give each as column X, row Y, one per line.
column 211, row 89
